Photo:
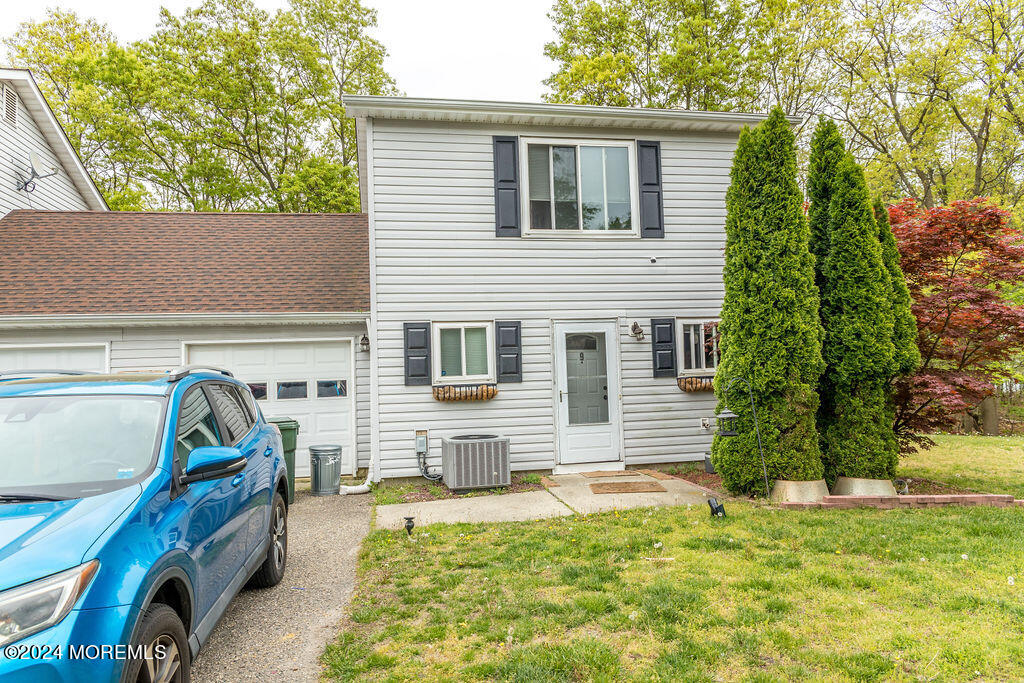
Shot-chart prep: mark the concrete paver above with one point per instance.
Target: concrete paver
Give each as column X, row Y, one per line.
column 574, row 490
column 512, row 507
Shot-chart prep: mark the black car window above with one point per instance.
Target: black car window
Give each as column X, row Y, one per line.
column 231, row 411
column 197, row 425
column 242, row 396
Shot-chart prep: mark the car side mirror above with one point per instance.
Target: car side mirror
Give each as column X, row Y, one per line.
column 213, row 462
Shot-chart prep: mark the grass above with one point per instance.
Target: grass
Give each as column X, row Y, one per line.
column 762, row 594
column 386, row 493
column 989, row 464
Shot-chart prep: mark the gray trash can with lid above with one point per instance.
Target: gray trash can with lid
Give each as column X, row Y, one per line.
column 325, row 470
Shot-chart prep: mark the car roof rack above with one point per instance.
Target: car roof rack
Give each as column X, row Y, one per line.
column 183, row 371
column 26, row 374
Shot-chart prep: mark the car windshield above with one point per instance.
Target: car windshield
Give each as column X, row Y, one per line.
column 73, row 446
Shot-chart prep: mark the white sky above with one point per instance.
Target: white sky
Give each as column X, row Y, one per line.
column 438, row 48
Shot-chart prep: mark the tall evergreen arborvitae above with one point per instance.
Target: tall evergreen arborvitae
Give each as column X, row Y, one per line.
column 770, row 329
column 857, row 315
column 904, row 332
column 827, row 151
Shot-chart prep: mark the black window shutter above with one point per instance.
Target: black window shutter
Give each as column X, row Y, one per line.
column 508, row 342
column 506, row 186
column 652, row 209
column 417, row 354
column 663, row 346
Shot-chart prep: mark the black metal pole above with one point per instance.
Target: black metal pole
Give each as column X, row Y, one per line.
column 757, row 428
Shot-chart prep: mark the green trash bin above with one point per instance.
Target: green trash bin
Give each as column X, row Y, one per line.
column 289, row 435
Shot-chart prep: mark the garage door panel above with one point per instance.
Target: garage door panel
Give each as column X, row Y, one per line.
column 87, row 358
column 322, row 420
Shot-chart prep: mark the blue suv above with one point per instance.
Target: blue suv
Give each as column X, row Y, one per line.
column 132, row 509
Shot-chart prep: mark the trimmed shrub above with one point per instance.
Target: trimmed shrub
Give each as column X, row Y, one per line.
column 771, row 333
column 857, row 316
column 904, row 332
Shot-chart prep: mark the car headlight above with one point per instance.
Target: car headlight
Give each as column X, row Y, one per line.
column 34, row 606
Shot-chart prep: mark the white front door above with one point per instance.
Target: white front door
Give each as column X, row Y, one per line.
column 587, row 377
column 310, row 381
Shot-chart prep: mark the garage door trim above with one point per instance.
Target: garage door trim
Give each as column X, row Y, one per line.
column 353, row 341
column 62, row 345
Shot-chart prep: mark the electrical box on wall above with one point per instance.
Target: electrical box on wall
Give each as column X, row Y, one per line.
column 705, row 423
column 421, row 442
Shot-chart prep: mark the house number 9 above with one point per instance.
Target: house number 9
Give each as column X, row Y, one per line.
column 581, row 358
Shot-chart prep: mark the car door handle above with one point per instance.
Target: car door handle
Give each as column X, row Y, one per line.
column 239, row 478
column 269, row 451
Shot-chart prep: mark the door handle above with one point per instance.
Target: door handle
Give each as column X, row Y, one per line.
column 559, row 395
column 269, row 451
column 239, row 478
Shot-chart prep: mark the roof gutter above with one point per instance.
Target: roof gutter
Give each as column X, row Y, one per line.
column 376, row 106
column 14, row 322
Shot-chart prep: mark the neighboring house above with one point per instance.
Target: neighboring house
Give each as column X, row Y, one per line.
column 280, row 299
column 560, row 265
column 28, row 128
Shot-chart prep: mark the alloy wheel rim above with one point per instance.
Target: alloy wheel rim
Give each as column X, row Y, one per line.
column 166, row 669
column 277, row 537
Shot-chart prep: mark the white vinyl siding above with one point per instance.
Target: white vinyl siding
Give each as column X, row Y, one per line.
column 437, row 258
column 159, row 348
column 17, row 141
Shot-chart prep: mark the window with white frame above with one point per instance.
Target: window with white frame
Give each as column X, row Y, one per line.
column 698, row 346
column 580, row 186
column 462, row 352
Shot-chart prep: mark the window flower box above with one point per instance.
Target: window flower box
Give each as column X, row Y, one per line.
column 694, row 383
column 465, row 392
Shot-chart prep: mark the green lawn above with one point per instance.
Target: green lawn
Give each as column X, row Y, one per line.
column 763, row 594
column 990, row 464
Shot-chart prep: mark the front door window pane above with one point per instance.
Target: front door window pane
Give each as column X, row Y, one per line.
column 586, row 375
column 451, row 352
column 563, row 166
column 539, row 164
column 476, row 351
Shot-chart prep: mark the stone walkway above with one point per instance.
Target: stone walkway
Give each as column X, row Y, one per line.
column 570, row 494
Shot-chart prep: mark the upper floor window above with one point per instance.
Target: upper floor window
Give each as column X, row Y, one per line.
column 462, row 352
column 698, row 347
column 580, row 185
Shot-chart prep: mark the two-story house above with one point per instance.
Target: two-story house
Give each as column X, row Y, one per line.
column 31, row 136
column 549, row 273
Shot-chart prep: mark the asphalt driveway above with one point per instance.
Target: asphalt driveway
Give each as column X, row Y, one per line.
column 279, row 633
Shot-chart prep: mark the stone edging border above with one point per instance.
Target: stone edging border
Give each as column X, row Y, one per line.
column 914, row 501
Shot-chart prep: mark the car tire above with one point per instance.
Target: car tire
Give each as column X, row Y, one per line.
column 271, row 571
column 160, row 626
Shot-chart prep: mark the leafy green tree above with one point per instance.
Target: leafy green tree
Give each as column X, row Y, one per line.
column 771, row 334
column 225, row 107
column 906, row 354
column 857, row 316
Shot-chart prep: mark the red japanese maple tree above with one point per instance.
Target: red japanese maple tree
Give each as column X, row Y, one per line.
column 964, row 265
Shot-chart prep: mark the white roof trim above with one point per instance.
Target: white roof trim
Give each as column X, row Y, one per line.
column 11, row 322
column 523, row 113
column 25, row 85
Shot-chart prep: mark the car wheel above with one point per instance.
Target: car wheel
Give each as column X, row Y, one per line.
column 167, row 657
column 271, row 571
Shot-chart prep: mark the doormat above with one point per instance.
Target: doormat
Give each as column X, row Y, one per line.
column 627, row 487
column 610, row 473
column 657, row 474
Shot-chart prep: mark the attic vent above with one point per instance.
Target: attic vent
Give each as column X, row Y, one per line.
column 10, row 105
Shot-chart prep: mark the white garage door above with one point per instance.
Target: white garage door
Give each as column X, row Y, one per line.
column 88, row 357
column 310, row 381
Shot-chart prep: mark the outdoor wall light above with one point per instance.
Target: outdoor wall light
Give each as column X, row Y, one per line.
column 636, row 331
column 364, row 343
